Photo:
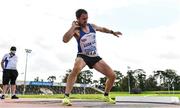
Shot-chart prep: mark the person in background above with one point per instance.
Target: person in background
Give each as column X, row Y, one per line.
column 10, row 73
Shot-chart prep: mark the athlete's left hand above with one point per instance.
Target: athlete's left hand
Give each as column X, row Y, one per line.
column 117, row 33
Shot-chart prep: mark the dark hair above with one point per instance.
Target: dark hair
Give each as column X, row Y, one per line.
column 13, row 48
column 79, row 12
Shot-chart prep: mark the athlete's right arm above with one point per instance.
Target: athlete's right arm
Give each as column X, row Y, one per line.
column 71, row 32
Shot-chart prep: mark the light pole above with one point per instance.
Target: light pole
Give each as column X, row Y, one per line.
column 172, row 83
column 173, row 88
column 128, row 72
column 27, row 52
column 168, row 87
column 84, row 83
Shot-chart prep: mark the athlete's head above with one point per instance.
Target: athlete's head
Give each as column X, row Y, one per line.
column 82, row 17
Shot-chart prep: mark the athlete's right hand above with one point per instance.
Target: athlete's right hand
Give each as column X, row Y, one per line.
column 75, row 25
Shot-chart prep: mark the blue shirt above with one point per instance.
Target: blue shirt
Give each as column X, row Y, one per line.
column 87, row 42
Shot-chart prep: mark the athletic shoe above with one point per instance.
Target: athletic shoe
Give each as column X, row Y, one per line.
column 14, row 97
column 66, row 101
column 108, row 99
column 3, row 97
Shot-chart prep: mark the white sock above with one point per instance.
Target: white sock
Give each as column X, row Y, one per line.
column 13, row 94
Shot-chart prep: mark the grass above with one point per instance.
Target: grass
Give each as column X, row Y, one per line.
column 97, row 96
column 154, row 93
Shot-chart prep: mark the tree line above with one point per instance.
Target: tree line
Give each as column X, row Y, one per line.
column 134, row 79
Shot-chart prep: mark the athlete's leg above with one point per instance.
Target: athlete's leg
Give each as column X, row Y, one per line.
column 105, row 69
column 78, row 66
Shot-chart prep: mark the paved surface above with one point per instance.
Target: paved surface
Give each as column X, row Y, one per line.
column 56, row 103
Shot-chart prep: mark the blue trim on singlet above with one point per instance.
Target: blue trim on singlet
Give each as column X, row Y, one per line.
column 6, row 62
column 82, row 33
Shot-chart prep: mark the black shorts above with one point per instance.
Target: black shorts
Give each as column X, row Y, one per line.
column 9, row 76
column 90, row 61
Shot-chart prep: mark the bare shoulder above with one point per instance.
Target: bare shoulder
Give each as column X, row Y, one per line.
column 97, row 28
column 94, row 26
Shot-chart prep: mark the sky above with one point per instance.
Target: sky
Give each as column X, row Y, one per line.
column 150, row 40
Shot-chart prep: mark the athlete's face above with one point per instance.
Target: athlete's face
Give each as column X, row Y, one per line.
column 83, row 20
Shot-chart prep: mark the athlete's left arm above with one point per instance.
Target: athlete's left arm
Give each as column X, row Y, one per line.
column 106, row 30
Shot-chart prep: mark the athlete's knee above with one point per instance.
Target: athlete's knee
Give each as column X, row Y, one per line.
column 112, row 76
column 71, row 75
column 76, row 69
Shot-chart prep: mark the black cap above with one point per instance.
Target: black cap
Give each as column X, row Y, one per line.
column 13, row 48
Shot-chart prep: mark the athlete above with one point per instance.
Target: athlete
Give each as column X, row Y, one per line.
column 85, row 34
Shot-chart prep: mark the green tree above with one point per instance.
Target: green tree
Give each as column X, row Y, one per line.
column 140, row 77
column 176, row 83
column 119, row 77
column 102, row 80
column 151, row 84
column 159, row 74
column 170, row 78
column 96, row 83
column 36, row 79
column 131, row 79
column 85, row 77
column 166, row 77
column 124, row 84
column 64, row 79
column 128, row 81
column 51, row 78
